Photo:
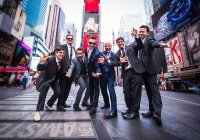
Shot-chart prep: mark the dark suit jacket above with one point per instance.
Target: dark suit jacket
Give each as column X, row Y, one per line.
column 106, row 68
column 148, row 58
column 65, row 61
column 132, row 54
column 76, row 67
column 93, row 65
column 47, row 74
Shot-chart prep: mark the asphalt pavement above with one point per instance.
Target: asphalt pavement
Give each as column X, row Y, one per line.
column 180, row 116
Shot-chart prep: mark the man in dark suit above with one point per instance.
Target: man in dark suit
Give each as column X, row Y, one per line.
column 79, row 66
column 132, row 70
column 150, row 74
column 66, row 82
column 107, row 80
column 49, row 68
column 94, row 72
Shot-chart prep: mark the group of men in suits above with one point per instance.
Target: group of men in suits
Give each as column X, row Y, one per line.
column 95, row 69
column 138, row 66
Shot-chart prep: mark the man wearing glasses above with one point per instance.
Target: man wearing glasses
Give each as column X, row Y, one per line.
column 64, row 81
column 94, row 72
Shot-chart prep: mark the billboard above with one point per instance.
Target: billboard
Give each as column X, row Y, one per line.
column 174, row 15
column 85, row 40
column 173, row 54
column 185, row 55
column 91, row 23
column 192, row 37
column 91, row 6
column 22, row 55
column 19, row 23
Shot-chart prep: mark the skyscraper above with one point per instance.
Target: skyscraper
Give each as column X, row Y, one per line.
column 61, row 28
column 52, row 24
column 35, row 11
column 127, row 22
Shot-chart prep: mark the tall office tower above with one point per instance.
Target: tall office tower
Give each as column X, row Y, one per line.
column 127, row 22
column 148, row 7
column 70, row 29
column 52, row 24
column 61, row 28
column 35, row 11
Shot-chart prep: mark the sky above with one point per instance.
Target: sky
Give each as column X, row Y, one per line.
column 111, row 11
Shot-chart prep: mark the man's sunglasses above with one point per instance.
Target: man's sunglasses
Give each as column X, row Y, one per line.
column 91, row 43
column 70, row 38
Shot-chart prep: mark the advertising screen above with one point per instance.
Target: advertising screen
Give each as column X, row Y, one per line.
column 192, row 37
column 22, row 55
column 91, row 23
column 173, row 54
column 92, row 6
column 173, row 16
column 19, row 23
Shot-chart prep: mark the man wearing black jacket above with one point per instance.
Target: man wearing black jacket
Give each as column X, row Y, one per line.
column 150, row 74
column 49, row 67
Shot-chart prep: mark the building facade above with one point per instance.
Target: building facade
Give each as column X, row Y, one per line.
column 52, row 24
column 126, row 25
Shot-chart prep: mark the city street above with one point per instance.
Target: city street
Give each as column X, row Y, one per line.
column 180, row 117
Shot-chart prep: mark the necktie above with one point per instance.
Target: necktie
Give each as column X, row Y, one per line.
column 81, row 60
column 123, row 53
column 140, row 54
column 70, row 57
column 58, row 65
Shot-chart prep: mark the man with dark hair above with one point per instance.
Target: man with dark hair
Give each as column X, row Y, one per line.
column 79, row 66
column 94, row 72
column 66, row 82
column 150, row 75
column 49, row 67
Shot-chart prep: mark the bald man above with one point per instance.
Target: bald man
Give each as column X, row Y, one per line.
column 107, row 79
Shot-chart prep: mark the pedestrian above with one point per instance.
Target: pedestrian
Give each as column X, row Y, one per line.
column 66, row 82
column 24, row 79
column 107, row 80
column 79, row 66
column 49, row 68
column 94, row 71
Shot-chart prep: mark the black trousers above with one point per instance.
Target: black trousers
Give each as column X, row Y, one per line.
column 65, row 85
column 153, row 93
column 132, row 88
column 94, row 90
column 57, row 92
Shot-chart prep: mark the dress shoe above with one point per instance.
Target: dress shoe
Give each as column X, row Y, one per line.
column 48, row 107
column 37, row 116
column 112, row 114
column 66, row 106
column 105, row 106
column 77, row 108
column 92, row 111
column 148, row 114
column 157, row 119
column 125, row 112
column 131, row 115
column 85, row 104
column 61, row 108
